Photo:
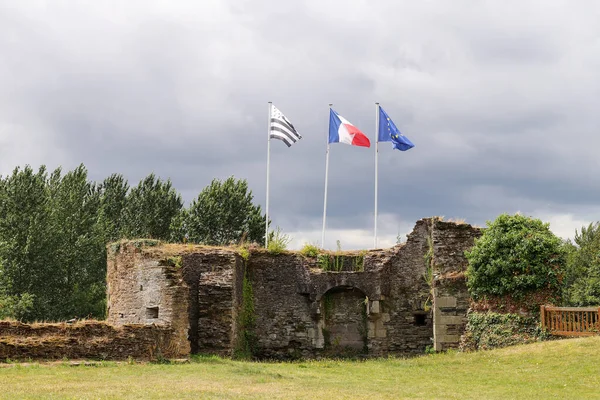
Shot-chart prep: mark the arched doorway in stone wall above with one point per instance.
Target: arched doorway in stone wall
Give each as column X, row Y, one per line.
column 344, row 321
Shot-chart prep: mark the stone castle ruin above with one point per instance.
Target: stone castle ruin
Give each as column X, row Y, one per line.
column 397, row 301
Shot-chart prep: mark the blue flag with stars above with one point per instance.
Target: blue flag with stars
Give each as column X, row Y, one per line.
column 388, row 132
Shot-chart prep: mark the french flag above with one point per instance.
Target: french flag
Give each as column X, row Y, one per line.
column 342, row 131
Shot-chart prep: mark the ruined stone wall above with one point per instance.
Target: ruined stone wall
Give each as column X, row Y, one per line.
column 382, row 298
column 146, row 287
column 451, row 297
column 88, row 339
column 215, row 291
column 283, row 316
column 406, row 314
column 293, row 302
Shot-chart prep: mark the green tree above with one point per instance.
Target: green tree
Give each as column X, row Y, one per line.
column 224, row 213
column 53, row 233
column 515, row 255
column 79, row 257
column 26, row 243
column 151, row 207
column 15, row 307
column 113, row 201
column 582, row 275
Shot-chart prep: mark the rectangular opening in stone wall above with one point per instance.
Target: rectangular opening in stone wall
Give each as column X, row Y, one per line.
column 420, row 318
column 151, row 312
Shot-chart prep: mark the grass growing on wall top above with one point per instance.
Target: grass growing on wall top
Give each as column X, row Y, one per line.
column 565, row 369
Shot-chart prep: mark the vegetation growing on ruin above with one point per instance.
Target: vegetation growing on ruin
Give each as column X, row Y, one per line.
column 359, row 261
column 173, row 261
column 309, row 250
column 492, row 330
column 428, row 274
column 335, row 262
column 246, row 340
column 278, row 241
column 244, row 253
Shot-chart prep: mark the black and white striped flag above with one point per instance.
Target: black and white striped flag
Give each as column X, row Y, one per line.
column 282, row 128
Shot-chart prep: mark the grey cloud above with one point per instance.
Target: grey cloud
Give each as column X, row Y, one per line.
column 500, row 102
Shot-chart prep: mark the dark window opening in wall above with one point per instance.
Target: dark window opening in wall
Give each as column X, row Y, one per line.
column 141, row 288
column 420, row 319
column 152, row 312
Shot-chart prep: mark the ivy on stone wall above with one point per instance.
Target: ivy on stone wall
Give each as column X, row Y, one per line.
column 246, row 343
column 486, row 331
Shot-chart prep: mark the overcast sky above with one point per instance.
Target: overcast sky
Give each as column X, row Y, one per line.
column 500, row 98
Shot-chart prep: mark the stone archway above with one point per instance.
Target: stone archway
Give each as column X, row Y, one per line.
column 343, row 321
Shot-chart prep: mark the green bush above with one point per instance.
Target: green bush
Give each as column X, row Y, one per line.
column 309, row 250
column 515, row 255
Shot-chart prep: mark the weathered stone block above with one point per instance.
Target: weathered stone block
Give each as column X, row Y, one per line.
column 445, row 302
column 451, row 319
column 374, row 307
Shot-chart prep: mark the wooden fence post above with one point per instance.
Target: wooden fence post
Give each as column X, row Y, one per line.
column 543, row 316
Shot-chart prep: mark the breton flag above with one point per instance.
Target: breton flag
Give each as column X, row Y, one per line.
column 342, row 131
column 282, row 128
column 389, row 132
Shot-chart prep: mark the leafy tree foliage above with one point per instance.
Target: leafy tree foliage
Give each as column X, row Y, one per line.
column 515, row 255
column 78, row 245
column 25, row 235
column 150, row 209
column 113, row 200
column 15, row 307
column 582, row 275
column 224, row 213
column 54, row 229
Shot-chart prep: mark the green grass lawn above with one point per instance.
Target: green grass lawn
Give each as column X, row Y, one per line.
column 566, row 369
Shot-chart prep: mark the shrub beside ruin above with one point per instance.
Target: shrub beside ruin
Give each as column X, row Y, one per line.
column 514, row 267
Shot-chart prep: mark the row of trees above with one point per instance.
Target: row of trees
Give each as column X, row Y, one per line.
column 54, row 228
column 517, row 255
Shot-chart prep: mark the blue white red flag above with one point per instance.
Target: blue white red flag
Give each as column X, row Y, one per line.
column 342, row 131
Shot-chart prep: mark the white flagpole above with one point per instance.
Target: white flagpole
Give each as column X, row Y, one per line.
column 268, row 166
column 326, row 179
column 376, row 168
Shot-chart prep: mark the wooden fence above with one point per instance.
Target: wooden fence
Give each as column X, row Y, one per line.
column 571, row 321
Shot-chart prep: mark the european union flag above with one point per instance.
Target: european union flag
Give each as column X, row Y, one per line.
column 388, row 132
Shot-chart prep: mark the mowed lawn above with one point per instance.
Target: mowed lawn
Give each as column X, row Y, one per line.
column 566, row 369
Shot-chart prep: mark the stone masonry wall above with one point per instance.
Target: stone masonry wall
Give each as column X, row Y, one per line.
column 406, row 317
column 144, row 287
column 86, row 339
column 284, row 323
column 215, row 293
column 451, row 297
column 198, row 292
